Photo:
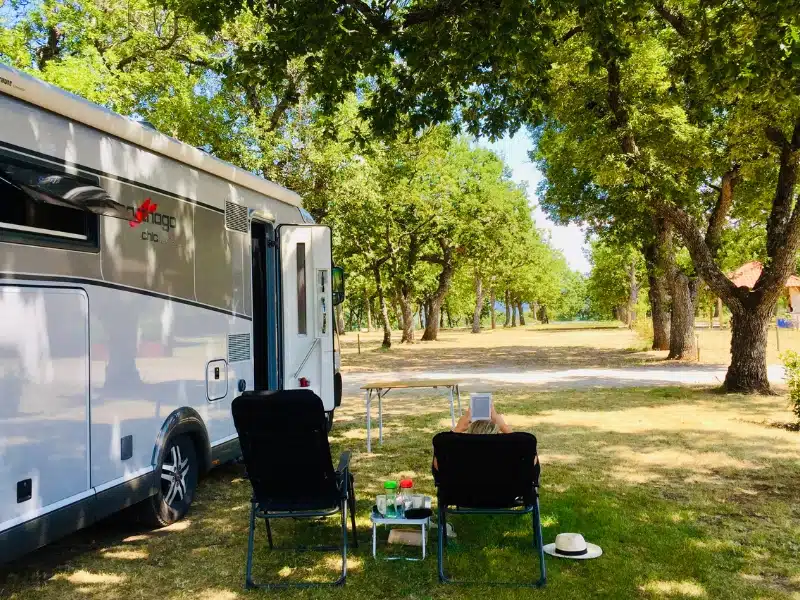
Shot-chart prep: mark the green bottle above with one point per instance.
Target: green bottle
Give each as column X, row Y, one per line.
column 390, row 488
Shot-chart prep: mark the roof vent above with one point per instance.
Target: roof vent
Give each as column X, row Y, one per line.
column 236, row 217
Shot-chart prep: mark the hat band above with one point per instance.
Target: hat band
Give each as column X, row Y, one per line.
column 572, row 552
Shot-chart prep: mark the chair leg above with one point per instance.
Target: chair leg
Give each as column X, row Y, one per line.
column 539, row 543
column 269, row 533
column 248, row 578
column 352, row 500
column 343, row 576
column 441, row 543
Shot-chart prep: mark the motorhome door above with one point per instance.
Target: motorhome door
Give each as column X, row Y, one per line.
column 306, row 309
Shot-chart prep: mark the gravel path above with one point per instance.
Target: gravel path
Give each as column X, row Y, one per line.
column 561, row 379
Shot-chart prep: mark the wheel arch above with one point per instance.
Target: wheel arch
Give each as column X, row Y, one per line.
column 184, row 421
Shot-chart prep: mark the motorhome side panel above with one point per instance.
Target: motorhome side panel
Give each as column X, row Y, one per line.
column 44, row 400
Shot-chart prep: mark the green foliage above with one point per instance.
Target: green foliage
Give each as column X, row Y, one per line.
column 401, row 207
column 573, row 301
column 609, row 284
column 791, row 364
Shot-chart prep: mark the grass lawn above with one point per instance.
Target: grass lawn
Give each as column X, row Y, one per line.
column 690, row 494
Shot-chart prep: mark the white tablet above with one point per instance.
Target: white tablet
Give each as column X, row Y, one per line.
column 480, row 406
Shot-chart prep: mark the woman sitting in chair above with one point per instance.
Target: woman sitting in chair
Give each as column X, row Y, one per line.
column 497, row 424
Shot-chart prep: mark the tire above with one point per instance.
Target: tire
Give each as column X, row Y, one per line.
column 337, row 390
column 176, row 492
column 329, row 420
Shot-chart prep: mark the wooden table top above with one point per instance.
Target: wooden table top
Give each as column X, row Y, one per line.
column 411, row 383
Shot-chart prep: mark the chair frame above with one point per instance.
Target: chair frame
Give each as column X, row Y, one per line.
column 347, row 501
column 532, row 509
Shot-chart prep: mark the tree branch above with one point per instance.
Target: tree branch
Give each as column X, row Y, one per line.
column 162, row 48
column 433, row 259
column 289, row 98
column 776, row 136
column 719, row 214
column 702, row 256
column 570, row 34
column 781, row 213
column 614, row 98
column 677, row 20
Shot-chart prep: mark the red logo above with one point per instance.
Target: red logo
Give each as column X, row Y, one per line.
column 143, row 212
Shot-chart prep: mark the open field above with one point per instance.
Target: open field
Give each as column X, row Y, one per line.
column 565, row 345
column 690, row 494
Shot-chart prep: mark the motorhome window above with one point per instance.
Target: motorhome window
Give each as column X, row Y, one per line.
column 301, row 289
column 31, row 212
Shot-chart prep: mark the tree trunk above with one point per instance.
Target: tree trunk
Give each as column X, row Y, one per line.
column 420, row 312
column 521, row 314
column 449, row 319
column 368, row 302
column 747, row 372
column 387, row 327
column 655, row 255
column 545, row 318
column 681, row 338
column 508, row 310
column 513, row 313
column 633, row 296
column 659, row 313
column 492, row 300
column 476, row 316
column 535, row 311
column 340, row 320
column 719, row 312
column 399, row 314
column 408, row 320
column 444, row 280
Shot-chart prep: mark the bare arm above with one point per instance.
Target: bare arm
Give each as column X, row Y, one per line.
column 463, row 423
column 498, row 420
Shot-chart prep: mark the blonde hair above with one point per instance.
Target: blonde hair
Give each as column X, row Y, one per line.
column 483, row 427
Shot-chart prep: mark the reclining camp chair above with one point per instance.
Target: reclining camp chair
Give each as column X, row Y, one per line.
column 506, row 468
column 288, row 459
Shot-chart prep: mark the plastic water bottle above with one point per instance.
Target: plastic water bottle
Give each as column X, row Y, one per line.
column 406, row 492
column 390, row 488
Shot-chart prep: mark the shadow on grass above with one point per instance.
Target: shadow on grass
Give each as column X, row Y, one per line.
column 687, row 493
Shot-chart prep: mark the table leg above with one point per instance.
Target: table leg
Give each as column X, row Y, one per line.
column 380, row 418
column 424, row 539
column 374, row 537
column 458, row 395
column 367, row 402
column 452, row 411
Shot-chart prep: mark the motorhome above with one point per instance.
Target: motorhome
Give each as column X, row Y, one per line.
column 143, row 285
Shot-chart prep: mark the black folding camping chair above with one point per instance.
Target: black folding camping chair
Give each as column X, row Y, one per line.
column 288, row 459
column 487, row 475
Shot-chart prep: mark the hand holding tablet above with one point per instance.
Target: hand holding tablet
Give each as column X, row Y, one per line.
column 480, row 406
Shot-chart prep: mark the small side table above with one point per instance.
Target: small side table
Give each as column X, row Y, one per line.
column 378, row 519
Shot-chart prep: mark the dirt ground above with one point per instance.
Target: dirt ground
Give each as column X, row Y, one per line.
column 564, row 345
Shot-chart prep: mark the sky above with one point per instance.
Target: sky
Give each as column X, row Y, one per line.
column 570, row 240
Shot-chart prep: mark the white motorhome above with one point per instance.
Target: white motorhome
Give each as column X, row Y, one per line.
column 143, row 285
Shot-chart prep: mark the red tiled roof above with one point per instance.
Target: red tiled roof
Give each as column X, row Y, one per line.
column 748, row 274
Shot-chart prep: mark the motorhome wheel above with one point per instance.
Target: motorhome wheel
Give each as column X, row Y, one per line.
column 177, row 473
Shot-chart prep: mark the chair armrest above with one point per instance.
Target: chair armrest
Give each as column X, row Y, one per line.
column 344, row 462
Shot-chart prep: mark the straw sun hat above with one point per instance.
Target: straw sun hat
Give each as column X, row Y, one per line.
column 572, row 545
